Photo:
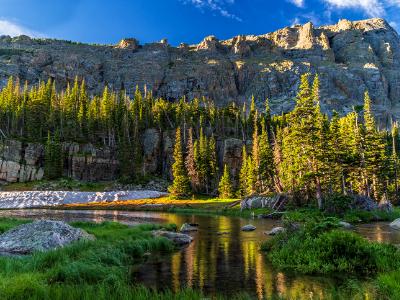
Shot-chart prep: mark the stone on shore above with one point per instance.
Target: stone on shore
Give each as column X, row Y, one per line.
column 345, row 225
column 179, row 239
column 40, row 235
column 275, row 231
column 395, row 224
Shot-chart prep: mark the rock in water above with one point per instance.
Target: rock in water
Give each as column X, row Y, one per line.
column 275, row 231
column 249, row 227
column 41, row 235
column 395, row 224
column 188, row 228
column 179, row 239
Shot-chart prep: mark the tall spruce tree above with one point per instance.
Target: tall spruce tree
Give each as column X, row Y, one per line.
column 225, row 185
column 180, row 187
column 53, row 165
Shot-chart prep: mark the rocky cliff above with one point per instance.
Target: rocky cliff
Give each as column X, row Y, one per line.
column 23, row 162
column 350, row 57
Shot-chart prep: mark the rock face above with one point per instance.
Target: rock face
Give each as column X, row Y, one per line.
column 40, row 236
column 350, row 57
column 21, row 162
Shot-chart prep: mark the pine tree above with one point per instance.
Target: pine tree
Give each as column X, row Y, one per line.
column 225, row 185
column 190, row 161
column 181, row 185
column 212, row 166
column 255, row 155
column 251, row 177
column 301, row 143
column 266, row 168
column 374, row 152
column 243, row 174
column 53, row 157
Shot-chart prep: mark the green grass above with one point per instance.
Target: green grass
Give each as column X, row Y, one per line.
column 322, row 248
column 371, row 270
column 351, row 216
column 88, row 267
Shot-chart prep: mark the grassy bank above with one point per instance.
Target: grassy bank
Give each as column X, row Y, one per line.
column 351, row 216
column 324, row 248
column 97, row 269
column 215, row 206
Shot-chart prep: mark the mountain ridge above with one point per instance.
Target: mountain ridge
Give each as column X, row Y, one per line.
column 350, row 57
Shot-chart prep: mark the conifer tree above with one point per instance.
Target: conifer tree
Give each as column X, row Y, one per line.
column 190, row 161
column 243, row 174
column 374, row 152
column 225, row 185
column 212, row 165
column 255, row 156
column 266, row 168
column 53, row 157
column 181, row 185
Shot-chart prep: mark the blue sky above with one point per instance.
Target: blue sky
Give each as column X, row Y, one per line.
column 106, row 22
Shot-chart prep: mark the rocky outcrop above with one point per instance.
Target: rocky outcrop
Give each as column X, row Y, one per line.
column 40, row 236
column 129, row 43
column 151, row 150
column 232, row 155
column 350, row 57
column 22, row 162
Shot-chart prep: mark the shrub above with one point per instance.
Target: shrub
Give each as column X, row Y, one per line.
column 321, row 248
column 337, row 203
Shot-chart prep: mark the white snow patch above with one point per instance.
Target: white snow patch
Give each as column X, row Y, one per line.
column 54, row 198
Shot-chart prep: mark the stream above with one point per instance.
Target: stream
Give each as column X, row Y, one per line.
column 221, row 260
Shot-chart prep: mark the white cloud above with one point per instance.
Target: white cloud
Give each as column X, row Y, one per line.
column 298, row 3
column 216, row 6
column 13, row 29
column 373, row 8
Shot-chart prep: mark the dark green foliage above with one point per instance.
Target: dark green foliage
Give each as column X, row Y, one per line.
column 225, row 185
column 336, row 203
column 300, row 153
column 181, row 185
column 53, row 164
column 320, row 248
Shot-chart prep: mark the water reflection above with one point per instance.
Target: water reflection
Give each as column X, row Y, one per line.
column 221, row 260
column 227, row 263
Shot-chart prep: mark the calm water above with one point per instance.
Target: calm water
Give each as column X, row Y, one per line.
column 222, row 259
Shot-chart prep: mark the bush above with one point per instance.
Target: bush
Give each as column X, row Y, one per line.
column 337, row 203
column 321, row 248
